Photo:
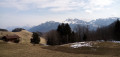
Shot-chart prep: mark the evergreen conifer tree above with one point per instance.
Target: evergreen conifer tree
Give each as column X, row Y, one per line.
column 35, row 39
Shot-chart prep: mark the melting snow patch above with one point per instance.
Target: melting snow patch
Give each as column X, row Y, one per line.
column 81, row 44
column 116, row 41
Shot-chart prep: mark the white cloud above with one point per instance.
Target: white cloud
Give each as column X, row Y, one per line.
column 101, row 3
column 88, row 11
column 62, row 5
column 13, row 4
column 57, row 5
column 61, row 9
column 98, row 5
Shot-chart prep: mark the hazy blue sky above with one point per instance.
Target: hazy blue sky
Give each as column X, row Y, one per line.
column 34, row 12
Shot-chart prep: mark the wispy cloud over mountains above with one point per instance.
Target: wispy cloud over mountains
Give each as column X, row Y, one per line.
column 57, row 5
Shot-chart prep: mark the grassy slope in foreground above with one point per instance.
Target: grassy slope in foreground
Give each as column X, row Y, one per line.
column 24, row 50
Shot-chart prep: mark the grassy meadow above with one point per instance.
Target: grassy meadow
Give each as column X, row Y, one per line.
column 105, row 49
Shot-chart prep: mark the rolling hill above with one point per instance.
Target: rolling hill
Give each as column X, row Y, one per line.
column 24, row 35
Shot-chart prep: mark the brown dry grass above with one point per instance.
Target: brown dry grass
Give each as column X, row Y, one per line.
column 24, row 50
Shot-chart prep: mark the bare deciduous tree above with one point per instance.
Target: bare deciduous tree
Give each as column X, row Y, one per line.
column 52, row 37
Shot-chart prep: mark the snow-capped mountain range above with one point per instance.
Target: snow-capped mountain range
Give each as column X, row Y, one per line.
column 93, row 24
column 97, row 22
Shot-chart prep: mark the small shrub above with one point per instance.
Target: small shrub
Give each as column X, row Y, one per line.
column 35, row 39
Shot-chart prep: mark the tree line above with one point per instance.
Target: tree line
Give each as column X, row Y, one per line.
column 108, row 33
column 64, row 34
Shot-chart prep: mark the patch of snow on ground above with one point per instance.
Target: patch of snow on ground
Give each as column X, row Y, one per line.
column 100, row 41
column 108, row 41
column 116, row 41
column 81, row 44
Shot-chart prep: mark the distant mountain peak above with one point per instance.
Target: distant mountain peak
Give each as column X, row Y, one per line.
column 69, row 21
column 74, row 21
column 50, row 22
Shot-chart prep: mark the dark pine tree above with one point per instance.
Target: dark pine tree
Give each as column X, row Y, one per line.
column 117, row 30
column 59, row 28
column 65, row 31
column 72, row 37
column 84, row 37
column 35, row 39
